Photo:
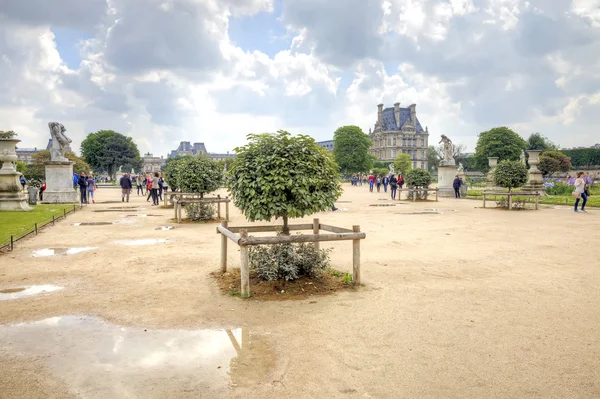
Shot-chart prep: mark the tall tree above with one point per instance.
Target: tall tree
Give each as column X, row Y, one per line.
column 107, row 150
column 283, row 176
column 498, row 142
column 538, row 142
column 37, row 169
column 433, row 158
column 403, row 163
column 351, row 150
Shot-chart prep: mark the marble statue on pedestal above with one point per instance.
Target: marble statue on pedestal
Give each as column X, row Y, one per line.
column 391, row 166
column 60, row 142
column 447, row 149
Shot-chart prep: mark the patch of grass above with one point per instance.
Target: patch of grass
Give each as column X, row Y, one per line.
column 17, row 222
column 336, row 273
column 593, row 200
column 347, row 278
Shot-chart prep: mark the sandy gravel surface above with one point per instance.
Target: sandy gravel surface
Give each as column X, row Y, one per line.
column 469, row 303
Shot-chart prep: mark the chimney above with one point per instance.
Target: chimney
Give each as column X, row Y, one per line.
column 380, row 114
column 397, row 115
column 413, row 113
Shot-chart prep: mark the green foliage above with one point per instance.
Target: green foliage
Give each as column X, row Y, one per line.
column 200, row 212
column 197, row 175
column 553, row 161
column 476, row 181
column 351, row 149
column 559, row 188
column 279, row 175
column 403, row 163
column 468, row 163
column 433, row 158
column 381, row 164
column 288, row 261
column 21, row 166
column 498, row 142
column 583, row 158
column 172, row 168
column 37, row 169
column 510, row 174
column 347, row 279
column 418, row 178
column 541, row 143
column 7, row 135
column 381, row 172
column 107, row 150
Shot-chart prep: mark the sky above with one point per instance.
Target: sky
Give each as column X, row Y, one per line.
column 213, row 71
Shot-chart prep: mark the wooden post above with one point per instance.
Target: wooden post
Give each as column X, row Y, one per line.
column 53, row 220
column 227, row 209
column 223, row 249
column 175, row 207
column 245, row 269
column 509, row 201
column 12, row 243
column 437, row 190
column 35, row 225
column 219, row 206
column 356, row 257
column 316, row 231
column 537, row 196
column 483, row 199
column 179, row 210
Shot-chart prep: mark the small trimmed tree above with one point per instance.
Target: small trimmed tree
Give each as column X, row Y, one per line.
column 403, row 163
column 510, row 174
column 554, row 161
column 418, row 178
column 283, row 176
column 199, row 175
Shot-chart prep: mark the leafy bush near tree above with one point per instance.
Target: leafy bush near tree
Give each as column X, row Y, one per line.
column 288, row 261
column 403, row 163
column 510, row 174
column 418, row 178
column 553, row 161
column 200, row 212
column 498, row 142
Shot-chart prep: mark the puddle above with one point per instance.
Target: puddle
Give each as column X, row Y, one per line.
column 93, row 224
column 438, row 210
column 116, row 210
column 141, row 215
column 342, row 210
column 420, row 213
column 382, row 205
column 102, row 360
column 124, row 208
column 16, row 293
column 148, row 241
column 60, row 251
column 343, row 202
column 164, row 228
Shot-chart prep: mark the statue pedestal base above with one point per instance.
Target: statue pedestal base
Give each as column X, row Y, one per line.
column 59, row 184
column 446, row 176
column 12, row 197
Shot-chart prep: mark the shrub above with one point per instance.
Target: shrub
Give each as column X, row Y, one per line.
column 558, row 188
column 418, row 178
column 200, row 212
column 288, row 261
column 510, row 174
column 199, row 175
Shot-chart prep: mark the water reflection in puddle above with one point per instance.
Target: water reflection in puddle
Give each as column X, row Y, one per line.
column 147, row 241
column 102, row 360
column 164, row 228
column 420, row 213
column 141, row 215
column 16, row 293
column 93, row 224
column 60, row 251
column 115, row 210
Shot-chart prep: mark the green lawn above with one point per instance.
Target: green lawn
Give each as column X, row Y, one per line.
column 593, row 200
column 16, row 223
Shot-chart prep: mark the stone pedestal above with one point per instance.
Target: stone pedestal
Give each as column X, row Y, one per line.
column 12, row 197
column 446, row 175
column 492, row 162
column 59, row 183
column 535, row 181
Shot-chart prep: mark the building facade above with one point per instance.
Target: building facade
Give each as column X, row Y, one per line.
column 151, row 164
column 328, row 145
column 26, row 154
column 186, row 148
column 220, row 157
column 398, row 131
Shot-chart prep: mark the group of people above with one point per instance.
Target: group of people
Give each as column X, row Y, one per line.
column 153, row 184
column 391, row 180
column 87, row 187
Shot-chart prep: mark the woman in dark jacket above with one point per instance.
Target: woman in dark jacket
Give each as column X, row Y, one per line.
column 393, row 186
column 82, row 182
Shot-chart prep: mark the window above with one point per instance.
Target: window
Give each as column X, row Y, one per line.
column 394, row 153
column 414, row 165
column 422, row 165
column 422, row 154
column 394, row 141
column 403, row 142
column 389, row 141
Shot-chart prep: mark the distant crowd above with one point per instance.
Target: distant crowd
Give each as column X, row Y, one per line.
column 151, row 184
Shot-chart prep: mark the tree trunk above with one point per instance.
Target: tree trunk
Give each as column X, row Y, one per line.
column 286, row 229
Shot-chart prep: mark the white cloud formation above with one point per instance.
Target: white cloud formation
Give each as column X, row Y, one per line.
column 164, row 71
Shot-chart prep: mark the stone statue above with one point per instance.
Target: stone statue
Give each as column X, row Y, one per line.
column 120, row 171
column 523, row 161
column 60, row 142
column 391, row 166
column 461, row 168
column 447, row 149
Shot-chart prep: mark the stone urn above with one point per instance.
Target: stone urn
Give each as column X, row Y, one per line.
column 492, row 162
column 535, row 180
column 12, row 197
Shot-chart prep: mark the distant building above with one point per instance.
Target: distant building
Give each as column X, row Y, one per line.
column 328, row 145
column 398, row 131
column 220, row 157
column 26, row 154
column 151, row 164
column 185, row 148
column 596, row 146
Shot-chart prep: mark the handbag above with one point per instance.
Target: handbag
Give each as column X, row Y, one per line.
column 587, row 191
column 576, row 195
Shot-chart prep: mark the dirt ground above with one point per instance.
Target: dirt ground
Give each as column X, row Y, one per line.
column 468, row 303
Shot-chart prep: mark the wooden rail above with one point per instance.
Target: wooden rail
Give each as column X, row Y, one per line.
column 244, row 241
column 416, row 190
column 510, row 195
column 179, row 202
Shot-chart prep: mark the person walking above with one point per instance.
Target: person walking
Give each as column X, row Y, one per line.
column 371, row 182
column 140, row 184
column 386, row 181
column 378, row 184
column 579, row 193
column 75, row 180
column 149, row 187
column 126, row 185
column 42, row 189
column 456, row 186
column 155, row 185
column 161, row 183
column 393, row 186
column 91, row 188
column 82, row 182
column 23, row 182
column 400, row 181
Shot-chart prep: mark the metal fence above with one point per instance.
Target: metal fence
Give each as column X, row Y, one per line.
column 35, row 229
